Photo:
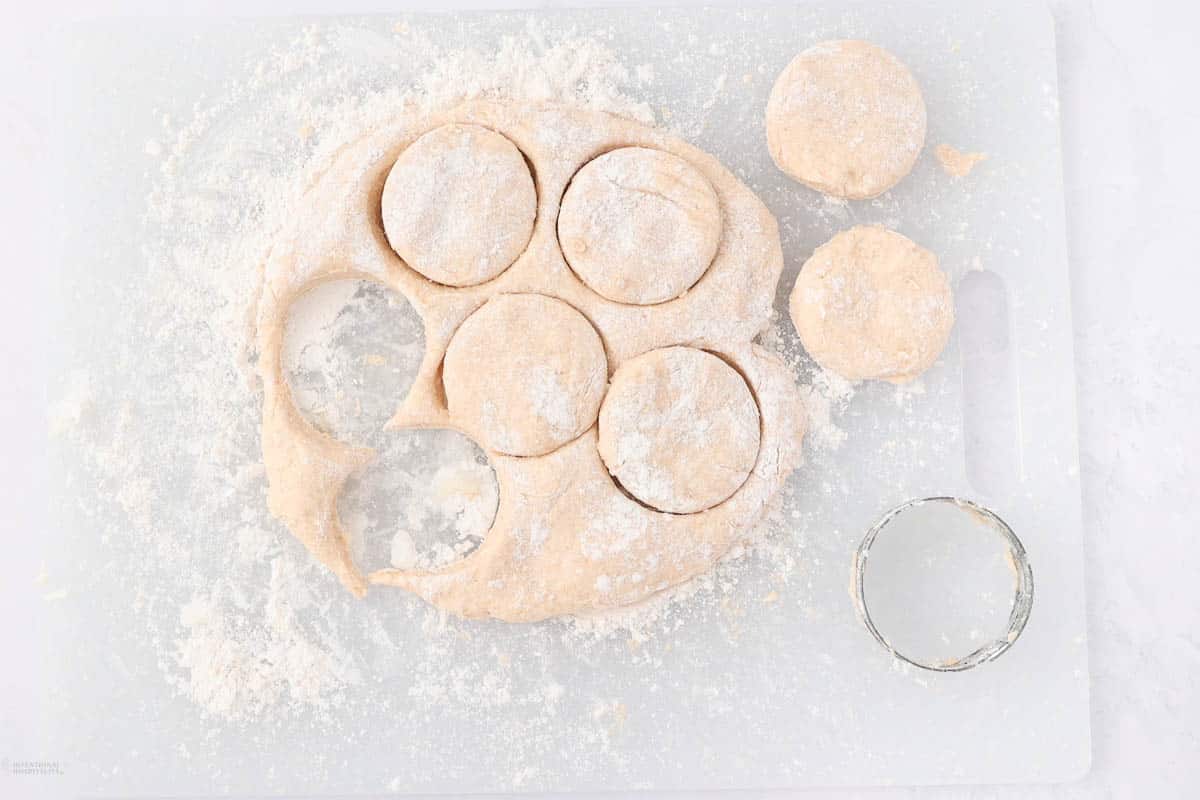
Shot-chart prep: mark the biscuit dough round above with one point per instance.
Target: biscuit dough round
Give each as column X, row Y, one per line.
column 639, row 226
column 871, row 303
column 679, row 429
column 458, row 205
column 525, row 373
column 846, row 118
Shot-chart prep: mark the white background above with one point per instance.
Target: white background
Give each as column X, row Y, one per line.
column 1131, row 137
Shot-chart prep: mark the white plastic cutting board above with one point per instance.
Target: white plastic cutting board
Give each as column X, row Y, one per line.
column 793, row 693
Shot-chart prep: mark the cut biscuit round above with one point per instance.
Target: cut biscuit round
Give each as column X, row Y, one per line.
column 679, row 429
column 639, row 226
column 526, row 372
column 871, row 303
column 459, row 205
column 846, row 118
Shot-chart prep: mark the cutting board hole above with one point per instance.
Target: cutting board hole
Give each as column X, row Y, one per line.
column 991, row 421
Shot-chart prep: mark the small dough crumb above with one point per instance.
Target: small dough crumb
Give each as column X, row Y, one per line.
column 956, row 162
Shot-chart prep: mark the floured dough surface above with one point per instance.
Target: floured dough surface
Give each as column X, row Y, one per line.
column 846, row 118
column 639, row 225
column 520, row 364
column 458, row 205
column 679, row 429
column 525, row 373
column 871, row 303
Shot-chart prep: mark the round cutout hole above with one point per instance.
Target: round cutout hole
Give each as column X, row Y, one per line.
column 427, row 500
column 351, row 350
column 943, row 584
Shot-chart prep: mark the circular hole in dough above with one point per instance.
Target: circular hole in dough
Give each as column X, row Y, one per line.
column 871, row 303
column 459, row 205
column 526, row 372
column 679, row 429
column 351, row 351
column 427, row 500
column 846, row 118
column 639, row 226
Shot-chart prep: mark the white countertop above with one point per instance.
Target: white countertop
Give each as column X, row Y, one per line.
column 1131, row 128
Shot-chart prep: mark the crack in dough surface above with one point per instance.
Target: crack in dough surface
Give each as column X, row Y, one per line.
column 639, row 225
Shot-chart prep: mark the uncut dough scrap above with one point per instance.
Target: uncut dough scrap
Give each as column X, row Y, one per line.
column 871, row 303
column 679, row 429
column 846, row 118
column 565, row 538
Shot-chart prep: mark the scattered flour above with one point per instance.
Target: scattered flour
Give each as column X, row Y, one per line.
column 238, row 672
column 825, row 393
